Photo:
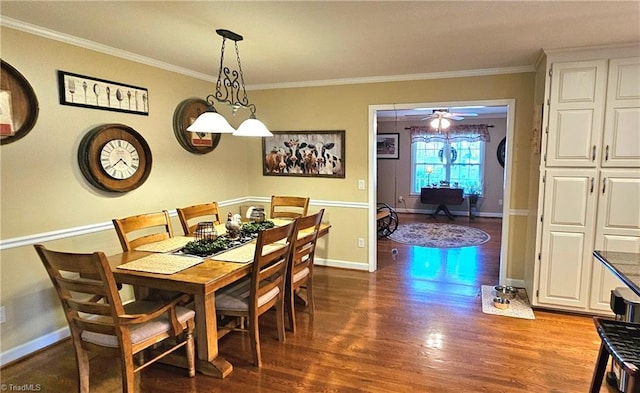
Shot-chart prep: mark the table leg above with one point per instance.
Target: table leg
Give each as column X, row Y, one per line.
column 209, row 362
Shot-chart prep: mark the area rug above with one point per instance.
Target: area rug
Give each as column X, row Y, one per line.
column 519, row 307
column 439, row 235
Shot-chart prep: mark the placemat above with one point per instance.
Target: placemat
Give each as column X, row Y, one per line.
column 519, row 307
column 167, row 245
column 161, row 263
column 244, row 253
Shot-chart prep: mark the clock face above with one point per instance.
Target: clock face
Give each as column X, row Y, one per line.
column 114, row 157
column 119, row 159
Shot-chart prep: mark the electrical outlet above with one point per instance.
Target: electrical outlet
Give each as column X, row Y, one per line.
column 361, row 242
column 500, row 202
column 2, row 315
column 361, row 184
column 400, row 198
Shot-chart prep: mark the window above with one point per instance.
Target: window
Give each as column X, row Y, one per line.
column 456, row 162
column 456, row 156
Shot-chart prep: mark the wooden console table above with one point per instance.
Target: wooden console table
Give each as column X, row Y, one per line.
column 442, row 197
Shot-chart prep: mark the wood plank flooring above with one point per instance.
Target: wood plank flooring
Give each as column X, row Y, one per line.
column 415, row 325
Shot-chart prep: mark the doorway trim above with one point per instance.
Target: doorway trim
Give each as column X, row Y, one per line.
column 373, row 170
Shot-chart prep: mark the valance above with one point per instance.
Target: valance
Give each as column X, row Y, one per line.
column 455, row 133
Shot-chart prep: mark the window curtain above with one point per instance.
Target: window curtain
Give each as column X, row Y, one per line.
column 455, row 133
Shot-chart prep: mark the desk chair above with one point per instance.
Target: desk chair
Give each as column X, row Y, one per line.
column 135, row 231
column 621, row 340
column 288, row 206
column 251, row 297
column 300, row 268
column 208, row 210
column 100, row 322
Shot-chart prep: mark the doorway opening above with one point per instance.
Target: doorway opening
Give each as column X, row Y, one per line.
column 392, row 179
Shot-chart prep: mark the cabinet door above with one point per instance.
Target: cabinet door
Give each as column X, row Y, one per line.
column 618, row 227
column 567, row 237
column 576, row 106
column 621, row 139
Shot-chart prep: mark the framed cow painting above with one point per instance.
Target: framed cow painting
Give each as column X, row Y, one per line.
column 304, row 153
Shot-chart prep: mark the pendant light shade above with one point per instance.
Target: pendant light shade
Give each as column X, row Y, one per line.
column 252, row 127
column 211, row 122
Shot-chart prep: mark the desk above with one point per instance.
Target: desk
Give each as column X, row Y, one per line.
column 442, row 197
column 625, row 265
column 201, row 281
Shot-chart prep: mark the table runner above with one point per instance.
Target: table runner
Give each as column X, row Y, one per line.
column 167, row 245
column 244, row 253
column 161, row 263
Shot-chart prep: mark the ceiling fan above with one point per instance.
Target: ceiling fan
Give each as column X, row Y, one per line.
column 445, row 114
column 441, row 118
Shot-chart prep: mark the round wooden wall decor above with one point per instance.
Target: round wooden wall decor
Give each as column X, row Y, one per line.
column 185, row 114
column 23, row 103
column 501, row 151
column 114, row 157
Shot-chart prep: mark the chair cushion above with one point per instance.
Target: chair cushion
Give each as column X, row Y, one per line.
column 235, row 297
column 141, row 331
column 301, row 274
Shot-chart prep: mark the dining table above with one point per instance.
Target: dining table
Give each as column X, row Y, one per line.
column 201, row 280
column 624, row 265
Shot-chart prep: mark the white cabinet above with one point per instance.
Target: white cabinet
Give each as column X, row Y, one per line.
column 590, row 179
column 576, row 117
column 621, row 141
column 567, row 233
column 618, row 227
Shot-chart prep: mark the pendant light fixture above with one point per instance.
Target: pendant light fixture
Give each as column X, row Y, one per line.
column 230, row 90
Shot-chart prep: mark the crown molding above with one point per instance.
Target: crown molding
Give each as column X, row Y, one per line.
column 397, row 78
column 91, row 45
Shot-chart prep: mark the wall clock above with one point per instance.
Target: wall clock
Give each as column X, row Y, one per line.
column 114, row 157
column 185, row 114
column 501, row 151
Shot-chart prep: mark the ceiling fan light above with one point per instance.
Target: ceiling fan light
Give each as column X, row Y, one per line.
column 252, row 127
column 211, row 122
column 440, row 123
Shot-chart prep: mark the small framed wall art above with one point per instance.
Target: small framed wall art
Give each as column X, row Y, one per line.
column 387, row 146
column 89, row 92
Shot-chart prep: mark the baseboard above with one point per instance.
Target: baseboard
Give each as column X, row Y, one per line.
column 32, row 346
column 342, row 264
column 514, row 282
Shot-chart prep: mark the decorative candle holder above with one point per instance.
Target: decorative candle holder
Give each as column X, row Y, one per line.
column 206, row 231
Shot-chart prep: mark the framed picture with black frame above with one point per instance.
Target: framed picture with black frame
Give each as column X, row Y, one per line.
column 304, row 153
column 95, row 93
column 388, row 146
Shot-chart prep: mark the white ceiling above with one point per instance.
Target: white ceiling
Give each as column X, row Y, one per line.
column 304, row 42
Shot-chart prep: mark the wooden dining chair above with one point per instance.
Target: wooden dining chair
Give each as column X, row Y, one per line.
column 300, row 267
column 100, row 322
column 251, row 297
column 210, row 211
column 136, row 231
column 621, row 340
column 288, row 206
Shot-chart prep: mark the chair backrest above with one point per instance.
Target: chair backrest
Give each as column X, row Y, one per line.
column 142, row 229
column 288, row 206
column 82, row 281
column 304, row 245
column 270, row 262
column 208, row 210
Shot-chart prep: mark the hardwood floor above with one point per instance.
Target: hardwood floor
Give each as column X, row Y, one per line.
column 415, row 325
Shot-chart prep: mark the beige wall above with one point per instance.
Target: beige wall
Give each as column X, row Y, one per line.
column 43, row 189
